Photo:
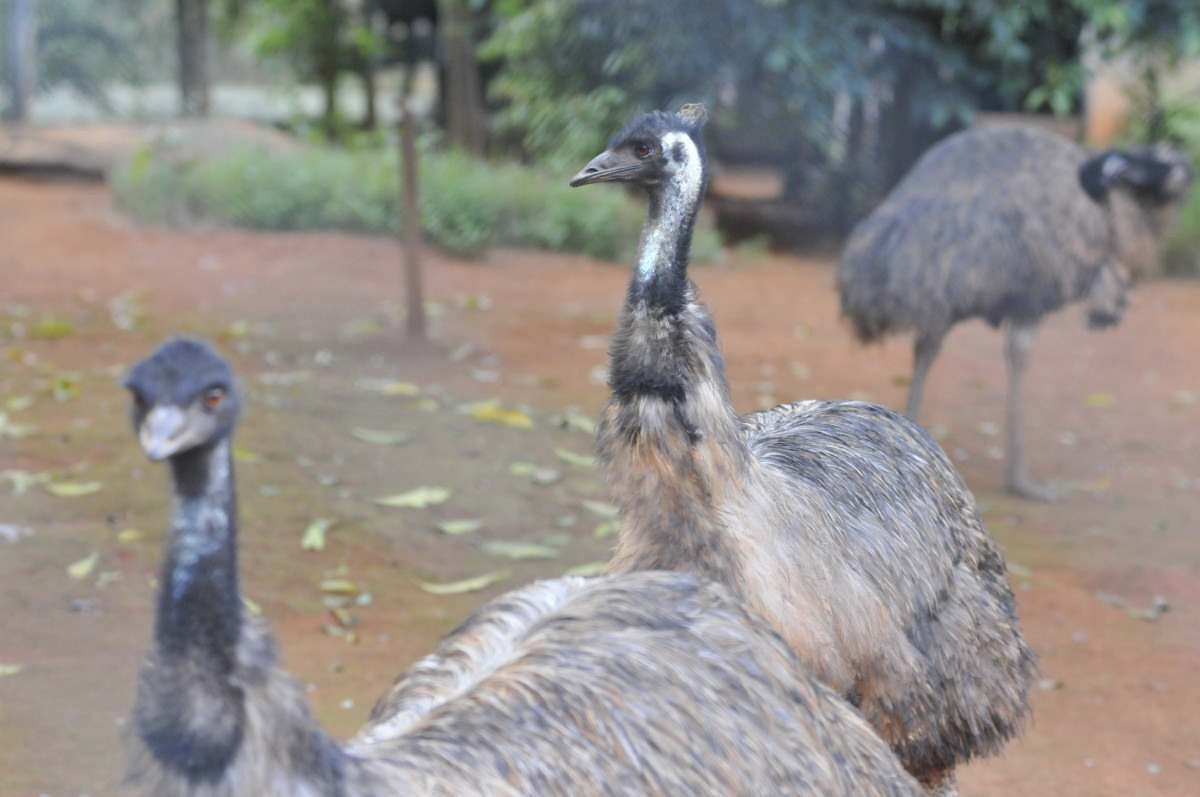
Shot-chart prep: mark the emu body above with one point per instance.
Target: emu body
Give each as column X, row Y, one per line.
column 1006, row 224
column 650, row 683
column 841, row 523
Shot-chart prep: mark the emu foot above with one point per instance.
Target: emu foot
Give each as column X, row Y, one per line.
column 1022, row 487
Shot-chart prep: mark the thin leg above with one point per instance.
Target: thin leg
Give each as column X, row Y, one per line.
column 925, row 350
column 1018, row 341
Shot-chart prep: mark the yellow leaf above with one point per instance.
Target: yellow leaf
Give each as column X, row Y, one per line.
column 601, row 509
column 380, row 438
column 389, row 387
column 419, row 498
column 522, row 468
column 22, row 480
column 128, row 536
column 606, row 529
column 427, row 405
column 84, row 567
column 588, row 570
column 1100, row 400
column 343, row 616
column 339, row 586
column 245, row 455
column 251, row 606
column 314, row 535
column 456, row 527
column 51, row 329
column 72, row 489
column 466, row 585
column 578, row 460
column 10, row 669
column 519, row 551
column 18, row 403
column 492, row 412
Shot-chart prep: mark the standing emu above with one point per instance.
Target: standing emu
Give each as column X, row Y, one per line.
column 651, row 683
column 842, row 523
column 1006, row 224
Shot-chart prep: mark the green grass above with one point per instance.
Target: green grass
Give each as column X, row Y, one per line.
column 466, row 205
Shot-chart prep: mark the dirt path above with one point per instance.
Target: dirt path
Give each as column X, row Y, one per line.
column 1113, row 417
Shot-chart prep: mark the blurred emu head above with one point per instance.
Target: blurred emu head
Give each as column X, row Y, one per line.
column 184, row 397
column 654, row 150
column 1160, row 176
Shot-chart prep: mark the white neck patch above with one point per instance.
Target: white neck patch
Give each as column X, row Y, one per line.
column 678, row 202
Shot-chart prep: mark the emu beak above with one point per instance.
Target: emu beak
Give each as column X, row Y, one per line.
column 162, row 432
column 607, row 167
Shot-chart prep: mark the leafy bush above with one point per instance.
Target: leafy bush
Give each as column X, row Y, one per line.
column 466, row 205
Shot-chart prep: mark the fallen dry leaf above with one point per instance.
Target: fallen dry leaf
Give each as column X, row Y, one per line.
column 601, row 509
column 72, row 489
column 84, row 567
column 339, row 586
column 18, row 403
column 466, row 585
column 456, row 527
column 578, row 460
column 314, row 535
column 1100, row 400
column 251, row 606
column 606, row 529
column 519, row 551
column 587, row 570
column 245, row 455
column 128, row 536
column 380, row 438
column 389, row 387
column 10, row 669
column 22, row 480
column 492, row 412
column 418, row 498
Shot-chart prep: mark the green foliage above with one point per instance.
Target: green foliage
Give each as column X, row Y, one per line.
column 466, row 205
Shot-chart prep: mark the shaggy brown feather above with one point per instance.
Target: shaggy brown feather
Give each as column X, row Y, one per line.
column 841, row 523
column 649, row 683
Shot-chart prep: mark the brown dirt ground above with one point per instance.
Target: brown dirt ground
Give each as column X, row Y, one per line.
column 1112, row 417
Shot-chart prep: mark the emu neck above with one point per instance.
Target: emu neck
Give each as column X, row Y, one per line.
column 665, row 246
column 199, row 604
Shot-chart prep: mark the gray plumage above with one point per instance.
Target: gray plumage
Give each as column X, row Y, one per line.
column 843, row 524
column 1006, row 224
column 650, row 683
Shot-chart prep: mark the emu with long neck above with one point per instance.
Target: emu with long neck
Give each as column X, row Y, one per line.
column 843, row 524
column 566, row 687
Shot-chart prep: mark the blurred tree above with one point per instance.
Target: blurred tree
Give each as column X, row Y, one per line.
column 21, row 57
column 191, row 30
column 466, row 123
column 1156, row 35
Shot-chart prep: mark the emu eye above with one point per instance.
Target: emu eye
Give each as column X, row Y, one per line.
column 641, row 150
column 213, row 398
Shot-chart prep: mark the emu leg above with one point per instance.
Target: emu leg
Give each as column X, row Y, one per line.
column 1018, row 341
column 925, row 350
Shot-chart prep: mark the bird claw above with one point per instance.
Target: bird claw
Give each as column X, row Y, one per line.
column 1022, row 487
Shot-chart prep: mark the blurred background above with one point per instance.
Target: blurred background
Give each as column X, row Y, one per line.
column 364, row 203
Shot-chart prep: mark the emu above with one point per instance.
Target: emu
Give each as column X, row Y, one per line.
column 651, row 683
column 1007, row 224
column 841, row 523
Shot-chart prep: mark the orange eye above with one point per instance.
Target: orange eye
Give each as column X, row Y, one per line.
column 213, row 398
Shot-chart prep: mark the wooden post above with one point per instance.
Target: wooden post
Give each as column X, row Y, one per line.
column 22, row 57
column 414, row 287
column 191, row 29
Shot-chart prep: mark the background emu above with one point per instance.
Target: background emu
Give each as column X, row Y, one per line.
column 842, row 523
column 653, row 683
column 1006, row 224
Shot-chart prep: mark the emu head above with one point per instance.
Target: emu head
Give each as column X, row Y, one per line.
column 184, row 397
column 1140, row 191
column 658, row 151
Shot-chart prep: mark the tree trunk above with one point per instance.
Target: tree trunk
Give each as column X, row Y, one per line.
column 191, row 26
column 367, row 73
column 850, row 174
column 22, row 57
column 465, row 117
column 414, row 288
column 1156, row 116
